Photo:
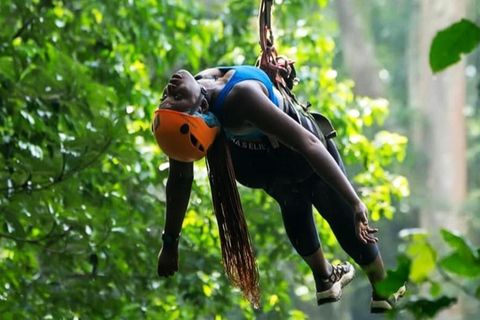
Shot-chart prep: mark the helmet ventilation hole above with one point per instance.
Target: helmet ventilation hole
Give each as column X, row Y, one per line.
column 184, row 129
column 193, row 140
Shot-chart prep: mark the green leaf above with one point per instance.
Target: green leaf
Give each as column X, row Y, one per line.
column 435, row 289
column 428, row 308
column 395, row 278
column 423, row 260
column 461, row 265
column 477, row 293
column 449, row 44
column 322, row 3
column 297, row 315
column 464, row 261
column 7, row 67
column 13, row 224
column 456, row 241
column 464, row 248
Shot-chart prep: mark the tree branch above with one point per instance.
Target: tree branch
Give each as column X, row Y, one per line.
column 49, row 236
column 64, row 162
column 42, row 7
column 10, row 237
column 62, row 176
column 23, row 27
column 460, row 286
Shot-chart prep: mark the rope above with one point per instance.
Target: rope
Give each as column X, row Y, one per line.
column 268, row 59
column 278, row 67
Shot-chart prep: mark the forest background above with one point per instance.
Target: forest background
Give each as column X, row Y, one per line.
column 82, row 181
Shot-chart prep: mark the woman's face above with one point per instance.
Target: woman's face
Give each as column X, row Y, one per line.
column 181, row 92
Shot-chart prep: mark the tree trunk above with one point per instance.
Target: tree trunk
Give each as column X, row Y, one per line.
column 358, row 51
column 439, row 131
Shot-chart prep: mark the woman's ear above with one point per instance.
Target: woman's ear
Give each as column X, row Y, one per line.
column 204, row 106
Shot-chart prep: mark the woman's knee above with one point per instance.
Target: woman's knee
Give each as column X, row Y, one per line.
column 366, row 255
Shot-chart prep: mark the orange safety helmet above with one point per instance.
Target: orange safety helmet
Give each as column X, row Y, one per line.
column 183, row 136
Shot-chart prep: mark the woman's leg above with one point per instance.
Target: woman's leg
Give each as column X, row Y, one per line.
column 298, row 221
column 300, row 226
column 339, row 214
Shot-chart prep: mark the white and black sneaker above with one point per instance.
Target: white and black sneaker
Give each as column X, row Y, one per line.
column 341, row 275
column 382, row 305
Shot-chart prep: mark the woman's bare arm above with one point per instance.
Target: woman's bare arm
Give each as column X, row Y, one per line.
column 179, row 185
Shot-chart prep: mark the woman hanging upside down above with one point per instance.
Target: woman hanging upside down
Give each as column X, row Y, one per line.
column 251, row 133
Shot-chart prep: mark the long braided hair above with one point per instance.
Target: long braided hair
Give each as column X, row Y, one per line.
column 237, row 252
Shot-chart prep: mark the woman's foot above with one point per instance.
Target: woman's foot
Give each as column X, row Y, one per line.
column 330, row 289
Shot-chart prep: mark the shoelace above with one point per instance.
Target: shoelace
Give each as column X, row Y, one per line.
column 337, row 273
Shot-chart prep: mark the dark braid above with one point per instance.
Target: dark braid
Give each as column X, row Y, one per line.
column 237, row 252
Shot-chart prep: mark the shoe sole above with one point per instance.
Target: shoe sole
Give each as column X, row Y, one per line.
column 381, row 309
column 335, row 292
column 328, row 300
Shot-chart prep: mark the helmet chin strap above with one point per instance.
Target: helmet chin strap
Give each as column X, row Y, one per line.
column 203, row 94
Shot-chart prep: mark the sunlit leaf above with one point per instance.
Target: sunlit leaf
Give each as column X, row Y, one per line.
column 322, row 3
column 297, row 315
column 207, row 290
column 98, row 15
column 423, row 260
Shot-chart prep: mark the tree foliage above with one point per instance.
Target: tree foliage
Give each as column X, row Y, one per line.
column 421, row 265
column 82, row 182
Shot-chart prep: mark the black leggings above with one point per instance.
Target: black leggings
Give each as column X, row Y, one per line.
column 296, row 199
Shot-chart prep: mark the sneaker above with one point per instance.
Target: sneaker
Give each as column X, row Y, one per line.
column 382, row 305
column 341, row 275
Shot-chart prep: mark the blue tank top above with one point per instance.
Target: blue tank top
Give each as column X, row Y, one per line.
column 242, row 73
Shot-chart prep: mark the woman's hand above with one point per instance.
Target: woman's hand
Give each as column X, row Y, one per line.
column 362, row 229
column 167, row 260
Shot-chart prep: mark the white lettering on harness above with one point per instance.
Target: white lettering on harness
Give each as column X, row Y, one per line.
column 250, row 145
